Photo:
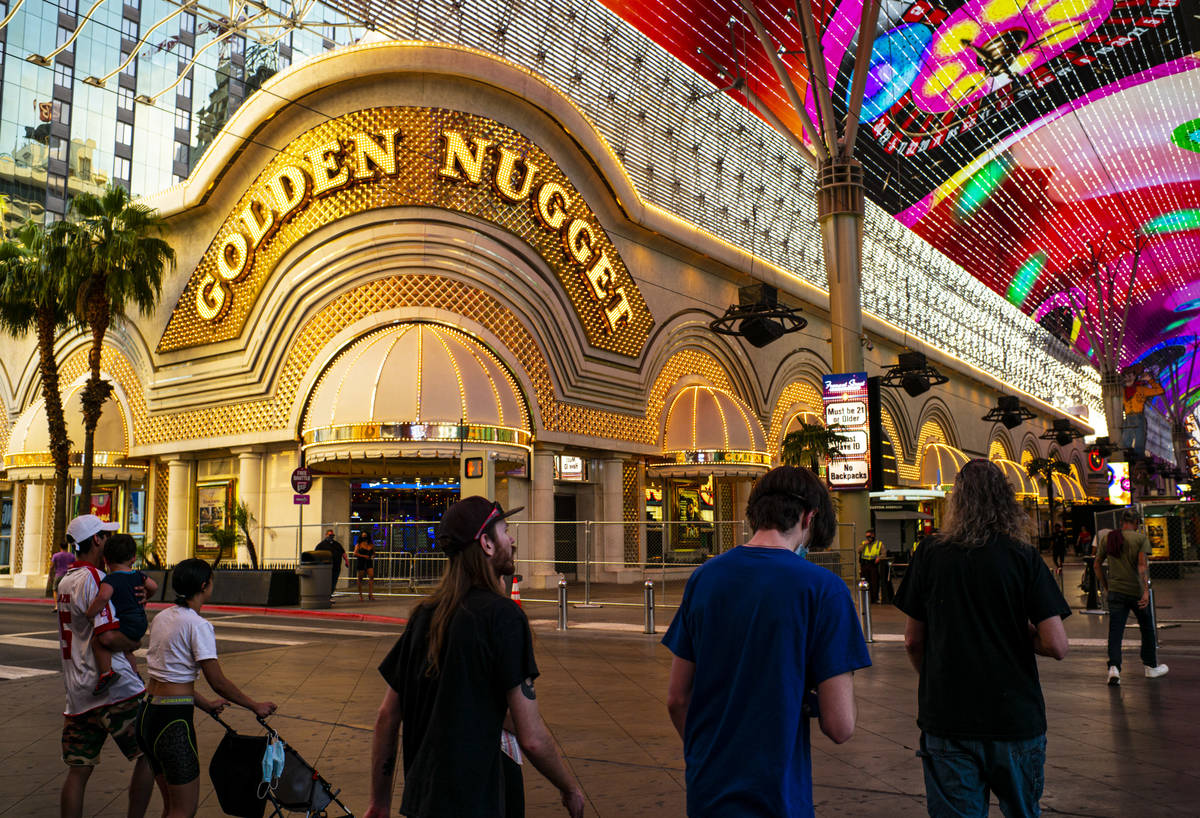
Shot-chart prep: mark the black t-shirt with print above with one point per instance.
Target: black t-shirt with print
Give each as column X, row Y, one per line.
column 452, row 721
column 980, row 676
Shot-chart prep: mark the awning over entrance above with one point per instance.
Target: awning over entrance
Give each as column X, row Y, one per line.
column 1023, row 485
column 1067, row 488
column 940, row 464
column 709, row 431
column 415, row 390
column 28, row 456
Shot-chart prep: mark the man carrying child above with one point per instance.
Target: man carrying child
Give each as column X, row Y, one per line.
column 89, row 719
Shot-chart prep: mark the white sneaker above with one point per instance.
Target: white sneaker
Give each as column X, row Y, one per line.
column 1114, row 676
column 1155, row 672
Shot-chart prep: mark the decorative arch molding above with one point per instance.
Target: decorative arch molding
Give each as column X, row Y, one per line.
column 999, row 443
column 936, row 410
column 798, row 396
column 689, row 330
column 895, row 420
column 686, row 367
column 1030, row 446
column 351, row 253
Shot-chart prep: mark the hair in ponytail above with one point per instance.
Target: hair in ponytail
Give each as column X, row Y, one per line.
column 188, row 578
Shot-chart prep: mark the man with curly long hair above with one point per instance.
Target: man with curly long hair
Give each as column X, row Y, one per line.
column 980, row 604
column 464, row 669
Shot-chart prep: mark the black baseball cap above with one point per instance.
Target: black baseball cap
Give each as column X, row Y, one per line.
column 467, row 520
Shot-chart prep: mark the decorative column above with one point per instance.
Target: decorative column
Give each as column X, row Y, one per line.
column 540, row 537
column 180, row 536
column 33, row 550
column 250, row 493
column 611, row 540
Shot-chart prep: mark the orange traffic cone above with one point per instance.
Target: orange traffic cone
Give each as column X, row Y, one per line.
column 515, row 596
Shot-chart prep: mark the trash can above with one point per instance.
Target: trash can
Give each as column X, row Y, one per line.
column 316, row 579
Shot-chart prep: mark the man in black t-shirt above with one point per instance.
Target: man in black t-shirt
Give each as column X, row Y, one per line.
column 980, row 604
column 337, row 556
column 462, row 671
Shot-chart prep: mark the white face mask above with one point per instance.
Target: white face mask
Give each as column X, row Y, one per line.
column 802, row 550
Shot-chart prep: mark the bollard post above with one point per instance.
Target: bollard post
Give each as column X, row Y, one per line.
column 864, row 607
column 1153, row 613
column 649, row 603
column 562, row 603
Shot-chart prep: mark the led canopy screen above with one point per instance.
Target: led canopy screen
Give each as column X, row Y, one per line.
column 1019, row 137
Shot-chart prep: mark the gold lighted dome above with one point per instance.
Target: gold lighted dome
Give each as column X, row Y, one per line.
column 1023, row 485
column 29, row 444
column 940, row 464
column 414, row 389
column 709, row 431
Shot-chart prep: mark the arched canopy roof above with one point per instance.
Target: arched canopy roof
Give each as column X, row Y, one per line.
column 1023, row 485
column 709, row 431
column 414, row 390
column 940, row 464
column 29, row 444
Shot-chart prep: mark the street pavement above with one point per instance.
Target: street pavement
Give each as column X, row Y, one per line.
column 1121, row 751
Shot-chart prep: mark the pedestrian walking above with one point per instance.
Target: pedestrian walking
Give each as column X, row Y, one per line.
column 182, row 646
column 1128, row 586
column 60, row 564
column 764, row 640
column 463, row 665
column 980, row 604
column 1058, row 547
column 126, row 590
column 90, row 718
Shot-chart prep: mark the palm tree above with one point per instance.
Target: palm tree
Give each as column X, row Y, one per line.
column 32, row 297
column 811, row 444
column 117, row 260
column 242, row 518
column 1046, row 468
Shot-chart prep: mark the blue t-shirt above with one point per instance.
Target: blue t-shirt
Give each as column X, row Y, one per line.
column 762, row 626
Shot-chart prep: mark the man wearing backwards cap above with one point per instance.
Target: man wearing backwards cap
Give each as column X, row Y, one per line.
column 464, row 661
column 88, row 719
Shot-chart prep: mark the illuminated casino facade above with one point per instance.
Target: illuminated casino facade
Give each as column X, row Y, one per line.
column 473, row 246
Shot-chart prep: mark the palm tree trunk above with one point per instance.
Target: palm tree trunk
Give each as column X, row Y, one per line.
column 96, row 391
column 60, row 446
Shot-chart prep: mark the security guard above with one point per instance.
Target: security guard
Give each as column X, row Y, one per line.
column 870, row 553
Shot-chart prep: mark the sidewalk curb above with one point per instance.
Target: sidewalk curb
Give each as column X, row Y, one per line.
column 290, row 613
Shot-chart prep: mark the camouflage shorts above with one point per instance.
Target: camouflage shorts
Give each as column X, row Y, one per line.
column 83, row 735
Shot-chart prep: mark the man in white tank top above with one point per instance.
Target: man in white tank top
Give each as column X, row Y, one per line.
column 90, row 719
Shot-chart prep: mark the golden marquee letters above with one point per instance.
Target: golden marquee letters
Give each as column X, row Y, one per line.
column 411, row 156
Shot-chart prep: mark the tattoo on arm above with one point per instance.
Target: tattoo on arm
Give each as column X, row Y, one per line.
column 389, row 764
column 527, row 689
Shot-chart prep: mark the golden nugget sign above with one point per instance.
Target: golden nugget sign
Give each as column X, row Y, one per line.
column 390, row 157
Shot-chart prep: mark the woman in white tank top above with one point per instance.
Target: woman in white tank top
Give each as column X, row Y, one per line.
column 182, row 646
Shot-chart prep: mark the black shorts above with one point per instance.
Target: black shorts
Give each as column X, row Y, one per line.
column 168, row 739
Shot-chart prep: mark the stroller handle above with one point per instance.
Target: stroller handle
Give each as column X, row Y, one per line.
column 261, row 720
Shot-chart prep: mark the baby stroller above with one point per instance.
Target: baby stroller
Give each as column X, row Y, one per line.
column 236, row 773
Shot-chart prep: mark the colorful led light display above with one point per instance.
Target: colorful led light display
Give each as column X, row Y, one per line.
column 1011, row 134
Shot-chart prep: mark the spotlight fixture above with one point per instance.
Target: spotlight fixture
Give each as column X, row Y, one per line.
column 758, row 316
column 1103, row 447
column 1009, row 411
column 913, row 374
column 1062, row 432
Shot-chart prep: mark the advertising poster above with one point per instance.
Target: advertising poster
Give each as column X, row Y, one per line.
column 214, row 505
column 1118, row 484
column 102, row 505
column 845, row 399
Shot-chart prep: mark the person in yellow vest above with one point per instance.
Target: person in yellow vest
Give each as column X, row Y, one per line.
column 870, row 552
